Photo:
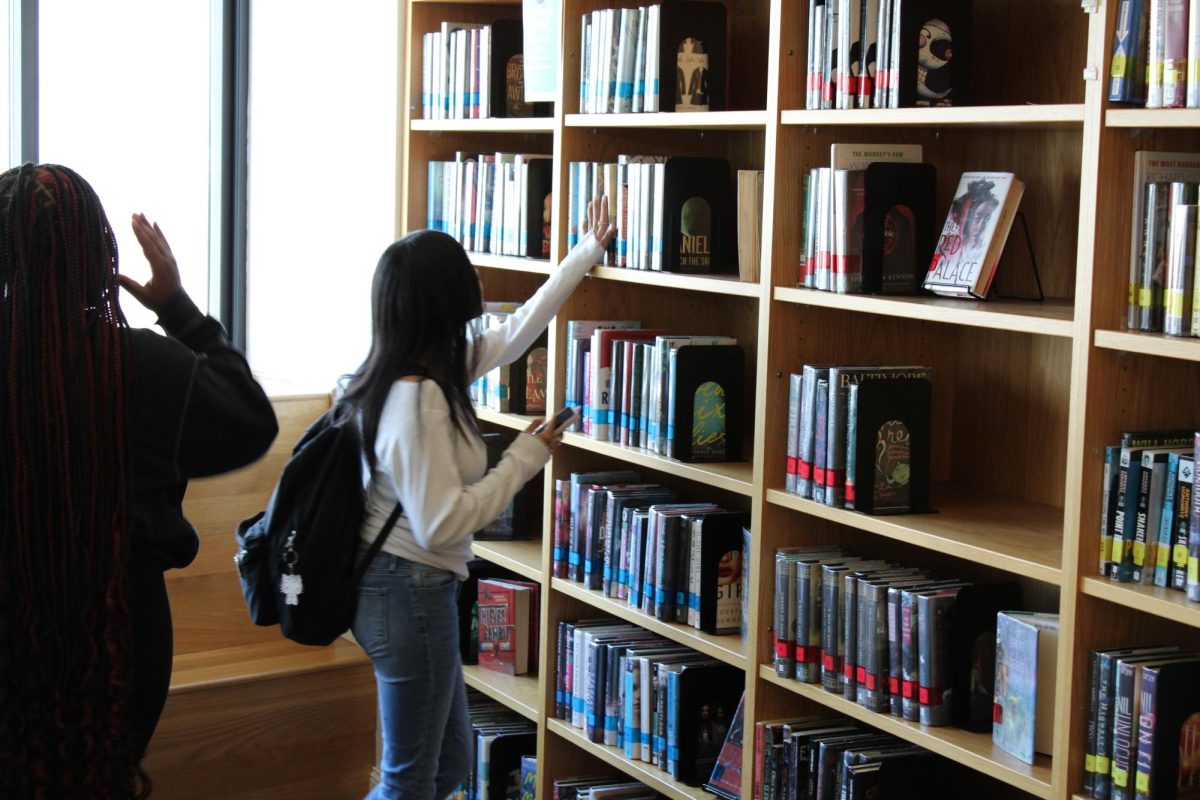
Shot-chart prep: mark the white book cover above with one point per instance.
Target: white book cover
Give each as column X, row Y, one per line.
column 485, row 72
column 540, row 30
column 654, row 19
column 1181, row 267
column 639, row 62
column 868, row 66
column 824, row 228
column 1154, row 61
column 585, row 64
column 817, row 44
column 626, row 47
column 974, row 233
column 660, row 172
column 829, row 69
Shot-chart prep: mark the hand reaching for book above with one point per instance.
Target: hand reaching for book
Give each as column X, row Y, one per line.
column 598, row 221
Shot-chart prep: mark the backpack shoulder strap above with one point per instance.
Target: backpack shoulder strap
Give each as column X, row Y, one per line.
column 377, row 545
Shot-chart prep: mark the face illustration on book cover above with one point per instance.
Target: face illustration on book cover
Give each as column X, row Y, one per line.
column 514, row 88
column 691, row 76
column 893, row 459
column 708, row 421
column 964, row 241
column 695, row 241
column 935, row 65
column 546, row 205
column 899, row 243
column 729, row 589
column 711, row 727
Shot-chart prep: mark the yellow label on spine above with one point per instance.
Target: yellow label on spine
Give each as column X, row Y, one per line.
column 1120, row 777
column 1089, row 762
column 1119, row 66
column 1139, row 553
column 1193, row 569
column 1173, row 301
column 1145, row 297
column 1180, row 555
column 1103, row 765
column 1142, row 782
column 1164, row 557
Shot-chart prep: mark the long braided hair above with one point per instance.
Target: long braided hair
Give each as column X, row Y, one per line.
column 64, row 544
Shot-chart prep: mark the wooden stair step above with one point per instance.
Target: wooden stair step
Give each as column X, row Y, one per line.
column 264, row 661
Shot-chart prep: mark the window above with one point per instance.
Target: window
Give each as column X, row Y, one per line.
column 321, row 184
column 7, row 70
column 124, row 101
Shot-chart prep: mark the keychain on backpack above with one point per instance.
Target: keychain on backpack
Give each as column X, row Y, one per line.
column 291, row 584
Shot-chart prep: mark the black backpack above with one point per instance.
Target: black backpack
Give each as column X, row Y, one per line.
column 297, row 558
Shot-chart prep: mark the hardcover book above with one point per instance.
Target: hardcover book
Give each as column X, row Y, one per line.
column 972, row 239
column 893, row 439
column 1026, row 655
column 698, row 216
column 508, row 625
column 1168, row 748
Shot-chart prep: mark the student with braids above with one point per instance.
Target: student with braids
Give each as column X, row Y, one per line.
column 101, row 427
column 424, row 451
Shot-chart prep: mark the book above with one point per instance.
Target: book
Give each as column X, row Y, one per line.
column 726, row 778
column 528, row 778
column 893, row 442
column 698, row 215
column 1177, row 285
column 1148, row 245
column 933, row 55
column 749, row 222
column 899, row 232
column 1168, row 743
column 972, row 239
column 1177, row 569
column 706, row 698
column 508, row 613
column 1127, row 73
column 1026, row 657
column 705, row 402
column 690, row 49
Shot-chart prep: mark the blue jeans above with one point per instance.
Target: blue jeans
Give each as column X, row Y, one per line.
column 407, row 622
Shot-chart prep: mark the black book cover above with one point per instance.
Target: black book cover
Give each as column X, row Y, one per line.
column 935, row 53
column 693, row 67
column 892, row 434
column 721, row 571
column 523, row 515
column 972, row 652
column 699, row 215
column 508, row 73
column 899, row 233
column 527, row 375
column 1168, row 753
column 708, row 698
column 504, row 763
column 468, row 596
column 708, row 394
column 726, row 779
column 537, row 207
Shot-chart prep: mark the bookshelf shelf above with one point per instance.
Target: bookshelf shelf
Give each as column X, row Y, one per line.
column 1013, row 535
column 1051, row 318
column 692, row 120
column 734, row 476
column 648, row 774
column 1152, row 118
column 517, row 422
column 715, row 284
column 523, row 557
column 1150, row 344
column 730, row 649
column 1060, row 115
column 518, row 692
column 537, row 266
column 493, row 125
column 1156, row 600
column 973, row 750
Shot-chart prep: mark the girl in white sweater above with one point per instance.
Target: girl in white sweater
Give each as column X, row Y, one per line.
column 424, row 452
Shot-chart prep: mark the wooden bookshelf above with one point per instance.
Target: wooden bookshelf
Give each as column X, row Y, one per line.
column 518, row 692
column 1027, row 394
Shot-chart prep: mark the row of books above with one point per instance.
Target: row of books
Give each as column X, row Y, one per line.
column 887, row 53
column 895, row 640
column 492, row 202
column 1163, row 257
column 504, row 746
column 474, row 71
column 517, row 388
column 680, row 396
column 673, row 214
column 600, row 789
column 1143, row 731
column 633, row 541
column 1154, row 43
column 653, row 58
column 810, row 757
column 656, row 701
column 859, row 437
column 1150, row 516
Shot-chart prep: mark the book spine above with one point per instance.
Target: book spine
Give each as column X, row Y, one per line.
column 895, row 699
column 806, row 430
column 808, row 632
column 1106, row 688
column 1090, row 755
column 1177, row 290
column 1112, row 465
column 1193, row 55
column 1140, row 545
column 820, row 434
column 785, row 625
column 851, row 445
column 835, row 440
column 1144, row 761
column 1154, row 62
column 795, row 388
column 849, row 633
column 1124, row 52
column 932, row 653
column 910, row 705
column 1193, row 562
column 1177, row 570
column 831, row 657
column 1166, row 522
column 1124, row 741
column 1175, row 49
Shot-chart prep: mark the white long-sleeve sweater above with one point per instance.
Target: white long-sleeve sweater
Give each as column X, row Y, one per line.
column 436, row 472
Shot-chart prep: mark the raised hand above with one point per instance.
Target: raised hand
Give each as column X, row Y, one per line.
column 164, row 281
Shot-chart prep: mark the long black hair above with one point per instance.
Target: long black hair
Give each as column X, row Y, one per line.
column 424, row 297
column 65, row 647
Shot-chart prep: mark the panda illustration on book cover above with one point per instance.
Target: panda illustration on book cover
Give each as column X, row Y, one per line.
column 935, row 64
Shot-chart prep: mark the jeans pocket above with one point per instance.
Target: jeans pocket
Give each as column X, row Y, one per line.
column 427, row 577
column 370, row 619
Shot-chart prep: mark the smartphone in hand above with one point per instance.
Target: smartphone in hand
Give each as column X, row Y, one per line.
column 564, row 417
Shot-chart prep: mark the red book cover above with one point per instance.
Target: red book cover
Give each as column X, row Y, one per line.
column 508, row 624
column 1175, row 53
